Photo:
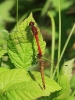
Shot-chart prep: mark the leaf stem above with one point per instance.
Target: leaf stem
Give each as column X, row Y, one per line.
column 53, row 42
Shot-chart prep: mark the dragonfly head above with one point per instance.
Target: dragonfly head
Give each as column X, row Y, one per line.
column 31, row 24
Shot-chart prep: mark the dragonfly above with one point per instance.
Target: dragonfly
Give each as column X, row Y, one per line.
column 35, row 34
column 25, row 38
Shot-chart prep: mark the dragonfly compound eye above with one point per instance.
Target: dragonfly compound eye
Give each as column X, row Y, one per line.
column 31, row 24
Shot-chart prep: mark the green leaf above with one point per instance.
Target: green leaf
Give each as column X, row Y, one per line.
column 51, row 85
column 3, row 42
column 22, row 47
column 2, row 52
column 2, row 96
column 20, row 84
column 10, row 77
column 5, row 7
column 67, row 68
column 22, row 91
column 3, row 34
column 63, row 94
column 72, row 98
column 3, row 37
column 73, row 82
column 64, row 4
column 64, row 80
column 3, row 70
column 2, row 25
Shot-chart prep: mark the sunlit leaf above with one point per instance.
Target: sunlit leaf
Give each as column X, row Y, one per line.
column 63, row 94
column 51, row 85
column 20, row 84
column 3, row 70
column 73, row 82
column 22, row 47
column 67, row 68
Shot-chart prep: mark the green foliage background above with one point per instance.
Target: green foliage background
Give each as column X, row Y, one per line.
column 10, row 19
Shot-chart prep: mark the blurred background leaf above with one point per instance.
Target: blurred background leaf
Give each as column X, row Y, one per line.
column 5, row 8
column 8, row 22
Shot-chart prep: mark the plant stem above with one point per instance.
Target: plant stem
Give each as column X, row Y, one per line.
column 67, row 41
column 53, row 42
column 59, row 43
column 16, row 14
column 45, row 8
